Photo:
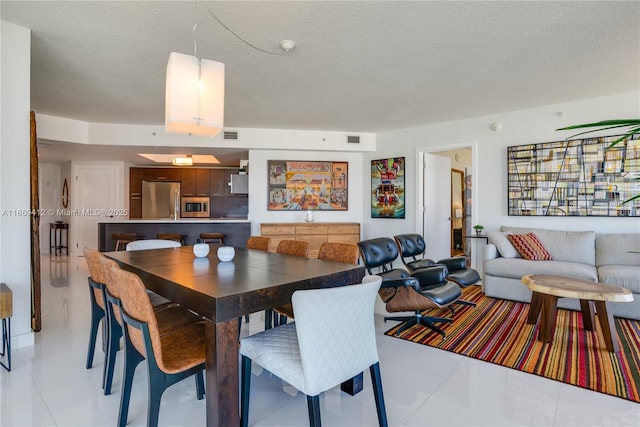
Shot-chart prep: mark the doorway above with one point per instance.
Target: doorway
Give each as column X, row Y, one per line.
column 444, row 181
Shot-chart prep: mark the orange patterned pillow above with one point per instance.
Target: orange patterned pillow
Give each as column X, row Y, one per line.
column 529, row 247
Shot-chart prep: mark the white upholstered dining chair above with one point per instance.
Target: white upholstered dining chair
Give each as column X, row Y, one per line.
column 138, row 245
column 332, row 340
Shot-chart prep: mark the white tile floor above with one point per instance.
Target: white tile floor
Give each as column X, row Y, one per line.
column 423, row 386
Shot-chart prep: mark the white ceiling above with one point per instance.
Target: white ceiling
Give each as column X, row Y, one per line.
column 357, row 66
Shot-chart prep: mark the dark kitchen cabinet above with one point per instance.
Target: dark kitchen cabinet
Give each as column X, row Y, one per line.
column 135, row 193
column 188, row 184
column 217, row 182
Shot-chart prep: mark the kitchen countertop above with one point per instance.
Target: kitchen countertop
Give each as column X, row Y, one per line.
column 173, row 221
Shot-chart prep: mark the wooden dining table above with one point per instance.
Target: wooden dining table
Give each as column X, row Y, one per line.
column 222, row 292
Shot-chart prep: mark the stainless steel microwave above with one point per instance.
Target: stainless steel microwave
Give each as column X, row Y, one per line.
column 194, row 207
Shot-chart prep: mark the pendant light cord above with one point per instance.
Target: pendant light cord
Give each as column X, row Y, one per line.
column 213, row 15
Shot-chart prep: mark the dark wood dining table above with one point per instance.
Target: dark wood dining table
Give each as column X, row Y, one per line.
column 222, row 292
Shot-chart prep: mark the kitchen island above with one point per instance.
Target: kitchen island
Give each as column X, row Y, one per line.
column 236, row 230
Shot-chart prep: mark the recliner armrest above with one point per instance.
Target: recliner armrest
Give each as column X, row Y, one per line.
column 404, row 281
column 454, row 263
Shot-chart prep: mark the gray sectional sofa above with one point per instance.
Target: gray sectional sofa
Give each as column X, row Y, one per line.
column 605, row 258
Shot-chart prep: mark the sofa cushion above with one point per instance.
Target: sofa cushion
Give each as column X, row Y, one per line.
column 618, row 249
column 515, row 268
column 529, row 247
column 574, row 246
column 627, row 276
column 502, row 243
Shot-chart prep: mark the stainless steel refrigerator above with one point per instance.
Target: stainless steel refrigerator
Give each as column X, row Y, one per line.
column 160, row 200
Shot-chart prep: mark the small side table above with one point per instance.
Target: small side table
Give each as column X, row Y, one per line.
column 6, row 311
column 55, row 243
column 475, row 253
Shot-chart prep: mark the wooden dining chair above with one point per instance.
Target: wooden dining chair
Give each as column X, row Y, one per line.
column 347, row 253
column 97, row 301
column 172, row 354
column 170, row 315
column 259, row 243
column 332, row 340
column 298, row 248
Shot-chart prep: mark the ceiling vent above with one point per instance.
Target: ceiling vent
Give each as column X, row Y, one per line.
column 353, row 139
column 230, row 135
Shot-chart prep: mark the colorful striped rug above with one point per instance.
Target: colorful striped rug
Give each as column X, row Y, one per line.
column 496, row 331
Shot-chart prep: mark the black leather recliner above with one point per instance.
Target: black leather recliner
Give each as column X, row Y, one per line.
column 401, row 291
column 413, row 245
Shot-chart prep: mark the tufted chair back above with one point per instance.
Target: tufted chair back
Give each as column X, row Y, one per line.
column 379, row 252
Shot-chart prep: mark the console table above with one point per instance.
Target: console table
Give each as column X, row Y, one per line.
column 316, row 233
column 55, row 243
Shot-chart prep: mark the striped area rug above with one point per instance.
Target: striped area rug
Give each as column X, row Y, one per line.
column 496, row 331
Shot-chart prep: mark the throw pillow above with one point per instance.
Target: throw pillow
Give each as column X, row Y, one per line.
column 529, row 247
column 502, row 244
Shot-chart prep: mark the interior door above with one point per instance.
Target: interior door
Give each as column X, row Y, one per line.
column 97, row 195
column 437, row 209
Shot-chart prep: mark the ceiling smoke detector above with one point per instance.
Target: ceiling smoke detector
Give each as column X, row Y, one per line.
column 287, row 45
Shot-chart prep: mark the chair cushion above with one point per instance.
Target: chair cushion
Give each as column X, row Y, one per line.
column 465, row 277
column 454, row 263
column 420, row 263
column 529, row 247
column 443, row 295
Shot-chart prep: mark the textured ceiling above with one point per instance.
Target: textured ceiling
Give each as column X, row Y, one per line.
column 357, row 66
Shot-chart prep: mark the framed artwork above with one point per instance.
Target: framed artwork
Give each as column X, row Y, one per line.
column 302, row 185
column 387, row 188
column 580, row 177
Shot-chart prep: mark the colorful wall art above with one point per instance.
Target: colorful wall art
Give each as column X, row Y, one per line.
column 387, row 188
column 303, row 185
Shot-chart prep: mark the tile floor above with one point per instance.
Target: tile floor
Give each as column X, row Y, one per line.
column 423, row 386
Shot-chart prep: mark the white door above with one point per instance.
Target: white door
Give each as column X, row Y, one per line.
column 97, row 194
column 437, row 206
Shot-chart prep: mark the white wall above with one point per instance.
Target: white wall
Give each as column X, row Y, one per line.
column 530, row 126
column 15, row 236
column 258, row 187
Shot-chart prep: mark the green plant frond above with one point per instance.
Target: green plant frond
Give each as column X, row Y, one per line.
column 623, row 137
column 637, row 196
column 609, row 123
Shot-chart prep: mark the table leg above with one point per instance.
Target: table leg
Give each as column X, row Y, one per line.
column 222, row 373
column 548, row 317
column 608, row 326
column 534, row 308
column 588, row 316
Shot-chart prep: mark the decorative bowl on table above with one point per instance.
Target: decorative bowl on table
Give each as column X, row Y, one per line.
column 226, row 253
column 201, row 250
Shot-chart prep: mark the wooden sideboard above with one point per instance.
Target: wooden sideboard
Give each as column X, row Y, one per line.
column 316, row 233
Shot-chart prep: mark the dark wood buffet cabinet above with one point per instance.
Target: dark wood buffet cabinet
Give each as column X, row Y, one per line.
column 194, row 182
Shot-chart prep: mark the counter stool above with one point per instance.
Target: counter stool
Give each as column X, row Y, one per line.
column 171, row 236
column 6, row 311
column 122, row 239
column 212, row 236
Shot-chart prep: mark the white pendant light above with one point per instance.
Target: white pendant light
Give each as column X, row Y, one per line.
column 194, row 102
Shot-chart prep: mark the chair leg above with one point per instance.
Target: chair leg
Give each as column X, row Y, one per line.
column 6, row 343
column 199, row 385
column 268, row 319
column 115, row 333
column 283, row 320
column 426, row 321
column 157, row 386
column 246, row 318
column 97, row 314
column 245, row 388
column 131, row 359
column 313, row 404
column 465, row 302
column 376, row 380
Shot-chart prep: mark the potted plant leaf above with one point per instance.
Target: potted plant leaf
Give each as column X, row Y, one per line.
column 633, row 126
column 478, row 229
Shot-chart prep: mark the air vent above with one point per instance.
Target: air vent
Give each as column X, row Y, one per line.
column 230, row 135
column 353, row 139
